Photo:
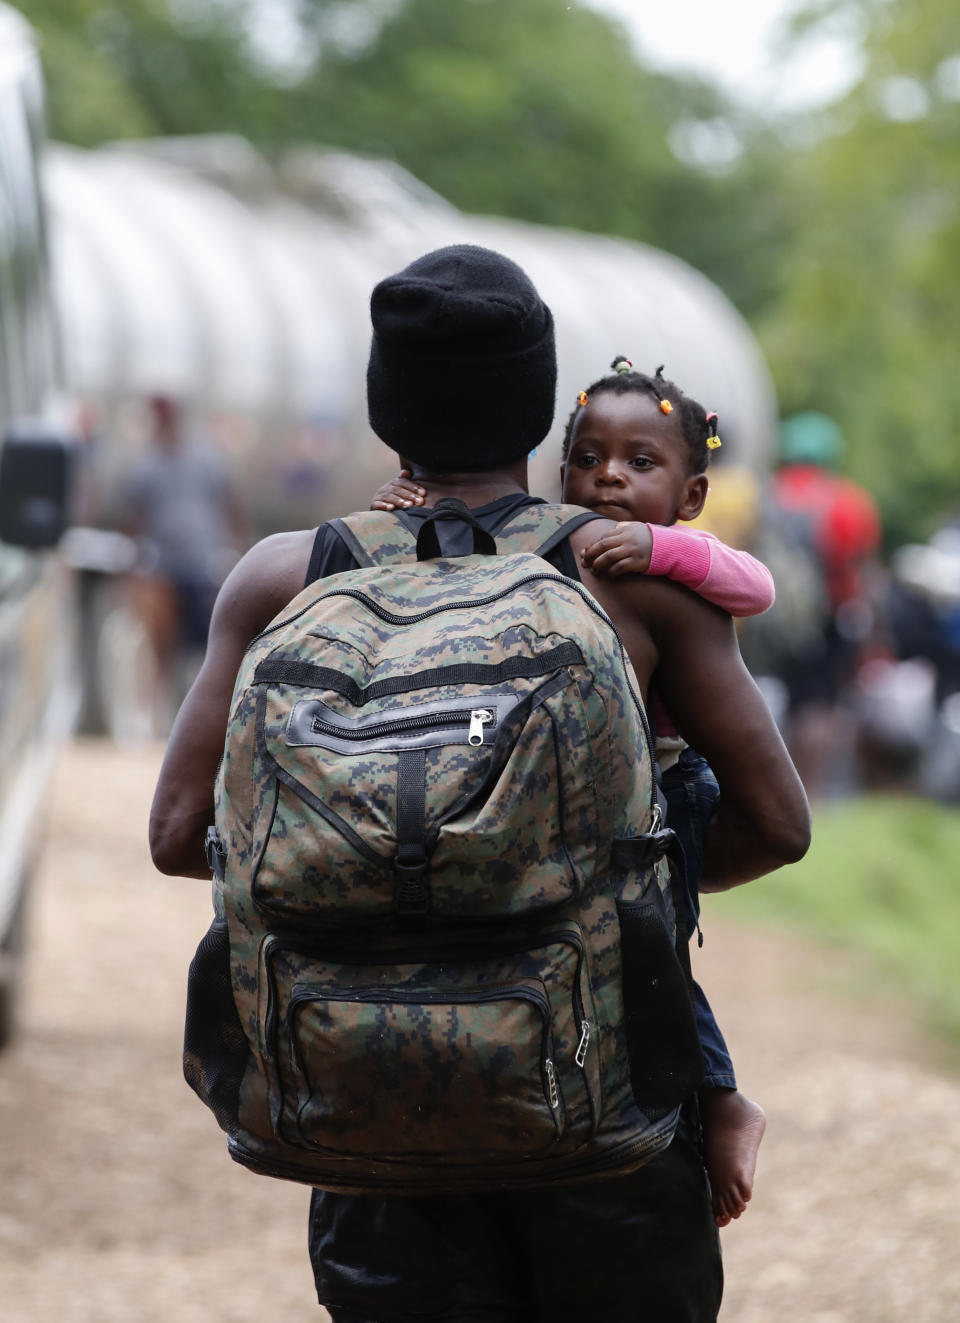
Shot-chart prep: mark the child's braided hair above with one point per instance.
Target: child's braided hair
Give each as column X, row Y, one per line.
column 697, row 426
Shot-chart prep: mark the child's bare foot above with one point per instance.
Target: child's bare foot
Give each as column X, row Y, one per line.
column 733, row 1127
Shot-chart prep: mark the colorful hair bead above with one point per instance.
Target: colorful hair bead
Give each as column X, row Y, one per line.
column 623, row 366
column 666, row 406
column 714, row 442
column 582, row 398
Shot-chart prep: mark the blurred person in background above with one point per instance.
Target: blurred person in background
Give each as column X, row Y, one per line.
column 924, row 604
column 820, row 534
column 909, row 702
column 178, row 501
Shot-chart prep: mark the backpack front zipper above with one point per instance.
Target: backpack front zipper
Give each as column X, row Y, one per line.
column 474, row 718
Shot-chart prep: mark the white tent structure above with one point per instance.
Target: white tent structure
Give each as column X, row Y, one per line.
column 191, row 268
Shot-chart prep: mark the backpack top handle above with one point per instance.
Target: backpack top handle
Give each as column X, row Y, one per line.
column 451, row 508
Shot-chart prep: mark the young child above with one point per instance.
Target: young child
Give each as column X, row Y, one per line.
column 636, row 450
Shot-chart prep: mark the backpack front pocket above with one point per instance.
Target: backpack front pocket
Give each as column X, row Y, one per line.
column 341, row 799
column 470, row 1073
column 474, row 1058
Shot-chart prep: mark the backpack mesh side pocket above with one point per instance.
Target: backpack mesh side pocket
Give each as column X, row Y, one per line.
column 215, row 1048
column 666, row 1063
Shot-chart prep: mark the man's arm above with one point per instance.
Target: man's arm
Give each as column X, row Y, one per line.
column 763, row 819
column 258, row 587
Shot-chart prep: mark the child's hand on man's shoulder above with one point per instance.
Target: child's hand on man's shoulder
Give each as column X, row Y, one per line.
column 624, row 550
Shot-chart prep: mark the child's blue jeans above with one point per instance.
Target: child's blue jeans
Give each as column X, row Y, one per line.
column 691, row 791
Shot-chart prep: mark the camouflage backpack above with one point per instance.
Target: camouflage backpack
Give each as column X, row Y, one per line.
column 444, row 956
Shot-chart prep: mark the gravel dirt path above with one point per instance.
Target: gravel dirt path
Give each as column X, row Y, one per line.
column 118, row 1203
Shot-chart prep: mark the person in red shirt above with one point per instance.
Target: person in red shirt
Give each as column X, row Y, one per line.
column 845, row 524
column 833, row 523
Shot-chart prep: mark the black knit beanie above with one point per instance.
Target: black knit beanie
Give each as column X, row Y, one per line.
column 463, row 369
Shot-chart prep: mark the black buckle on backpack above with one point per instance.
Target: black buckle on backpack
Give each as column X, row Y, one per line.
column 216, row 854
column 412, row 892
column 642, row 851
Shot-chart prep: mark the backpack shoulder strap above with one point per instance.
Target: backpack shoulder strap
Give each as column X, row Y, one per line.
column 376, row 537
column 540, row 528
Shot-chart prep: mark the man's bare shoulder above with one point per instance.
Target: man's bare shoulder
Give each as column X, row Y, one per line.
column 261, row 584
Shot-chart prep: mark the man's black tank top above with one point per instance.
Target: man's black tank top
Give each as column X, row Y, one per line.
column 331, row 555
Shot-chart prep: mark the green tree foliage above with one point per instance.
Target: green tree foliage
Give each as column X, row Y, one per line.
column 864, row 323
column 144, row 68
column 527, row 108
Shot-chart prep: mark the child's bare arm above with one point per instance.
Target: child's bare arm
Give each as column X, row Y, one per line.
column 400, row 492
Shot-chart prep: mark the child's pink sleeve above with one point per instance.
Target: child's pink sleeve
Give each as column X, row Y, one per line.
column 733, row 580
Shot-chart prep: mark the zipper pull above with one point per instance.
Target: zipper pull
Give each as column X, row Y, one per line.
column 479, row 718
column 553, row 1093
column 581, row 1053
